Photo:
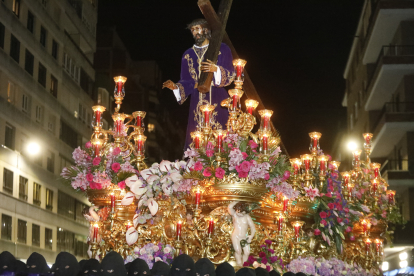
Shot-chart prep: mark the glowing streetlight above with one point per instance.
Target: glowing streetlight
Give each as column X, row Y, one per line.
column 385, row 266
column 33, row 148
column 352, row 146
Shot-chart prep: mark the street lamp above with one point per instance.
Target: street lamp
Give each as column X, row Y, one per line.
column 33, row 148
column 385, row 266
column 352, row 146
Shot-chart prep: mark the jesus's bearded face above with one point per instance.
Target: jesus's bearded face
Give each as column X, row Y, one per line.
column 199, row 34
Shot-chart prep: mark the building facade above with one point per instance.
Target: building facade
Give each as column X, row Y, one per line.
column 46, row 94
column 379, row 98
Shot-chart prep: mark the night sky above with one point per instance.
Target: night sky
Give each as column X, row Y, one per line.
column 296, row 52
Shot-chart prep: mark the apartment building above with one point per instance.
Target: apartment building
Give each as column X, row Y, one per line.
column 46, row 94
column 379, row 98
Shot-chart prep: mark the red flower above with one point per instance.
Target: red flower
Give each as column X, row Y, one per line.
column 262, row 255
column 116, row 167
column 317, row 232
column 331, row 205
column 264, row 260
column 89, row 177
column 339, row 220
column 246, row 264
column 96, row 161
column 322, row 214
column 252, row 144
column 198, row 166
column 267, row 176
column 121, row 185
column 348, row 229
column 209, row 153
column 323, row 222
column 207, row 172
column 220, row 173
column 245, row 166
column 88, row 145
column 95, row 185
column 244, row 155
column 346, row 210
column 352, row 238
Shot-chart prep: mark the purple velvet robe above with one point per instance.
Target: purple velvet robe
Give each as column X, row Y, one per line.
column 189, row 78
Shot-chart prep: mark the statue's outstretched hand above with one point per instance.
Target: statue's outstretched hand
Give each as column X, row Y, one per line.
column 170, row 85
column 208, row 66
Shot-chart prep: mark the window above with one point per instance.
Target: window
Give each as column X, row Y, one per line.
column 64, row 162
column 66, row 205
column 21, row 231
column 7, row 181
column 51, row 123
column 82, row 113
column 23, row 183
column 37, row 194
column 9, row 136
column 65, row 241
column 42, row 75
column 10, row 92
column 6, row 227
column 15, row 48
column 55, row 49
column 49, row 199
column 39, row 114
column 48, row 238
column 2, row 31
column 25, row 103
column 68, row 135
column 79, row 212
column 16, row 7
column 30, row 21
column 43, row 34
column 53, row 86
column 35, row 235
column 29, row 63
column 51, row 162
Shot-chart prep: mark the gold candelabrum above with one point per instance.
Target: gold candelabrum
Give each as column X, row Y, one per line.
column 199, row 223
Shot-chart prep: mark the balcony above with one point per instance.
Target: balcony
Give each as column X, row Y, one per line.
column 394, row 62
column 396, row 172
column 384, row 17
column 394, row 121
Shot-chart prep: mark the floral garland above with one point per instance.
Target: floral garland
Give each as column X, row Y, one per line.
column 331, row 267
column 266, row 259
column 240, row 157
column 152, row 253
column 91, row 172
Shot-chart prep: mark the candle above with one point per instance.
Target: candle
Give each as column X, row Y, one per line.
column 119, row 87
column 378, row 245
column 97, row 149
column 98, row 109
column 265, row 140
column 295, row 162
column 179, row 230
column 322, row 163
column 367, row 137
column 367, row 245
column 374, row 185
column 98, row 117
column 197, row 142
column 235, row 99
column 210, row 226
column 112, row 201
column 139, row 121
column 265, row 121
column 390, row 195
column 239, row 66
column 297, row 228
column 315, row 142
column 364, row 226
column 197, row 198
column 220, row 141
column 119, row 80
column 118, row 127
column 139, row 145
column 280, row 224
column 285, row 203
column 95, row 232
column 357, row 155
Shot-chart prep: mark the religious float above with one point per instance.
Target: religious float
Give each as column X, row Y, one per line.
column 236, row 197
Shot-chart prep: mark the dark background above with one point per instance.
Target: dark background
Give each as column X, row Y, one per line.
column 296, row 52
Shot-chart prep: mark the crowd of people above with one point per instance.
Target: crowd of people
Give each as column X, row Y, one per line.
column 113, row 265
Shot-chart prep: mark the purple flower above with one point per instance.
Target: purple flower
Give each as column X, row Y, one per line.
column 268, row 242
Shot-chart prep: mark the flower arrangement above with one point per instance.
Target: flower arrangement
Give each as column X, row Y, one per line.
column 322, row 267
column 158, row 181
column 90, row 172
column 152, row 253
column 240, row 156
column 266, row 259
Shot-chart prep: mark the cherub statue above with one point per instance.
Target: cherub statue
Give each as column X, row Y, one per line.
column 241, row 223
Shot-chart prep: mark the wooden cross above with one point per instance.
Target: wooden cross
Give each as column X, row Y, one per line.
column 218, row 34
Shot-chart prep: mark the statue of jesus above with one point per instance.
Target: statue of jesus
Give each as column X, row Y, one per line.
column 192, row 64
column 241, row 223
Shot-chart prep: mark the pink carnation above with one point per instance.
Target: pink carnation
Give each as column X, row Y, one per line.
column 252, row 144
column 244, row 155
column 116, row 151
column 116, row 167
column 267, row 176
column 198, row 166
column 317, row 232
column 88, row 145
column 243, row 174
column 245, row 166
column 209, row 153
column 220, row 173
column 207, row 172
column 322, row 215
column 348, row 229
column 121, row 184
column 96, row 161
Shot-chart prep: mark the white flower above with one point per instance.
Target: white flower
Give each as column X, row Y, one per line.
column 165, row 166
column 157, row 259
column 142, row 251
column 256, row 264
column 167, row 250
column 155, row 248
